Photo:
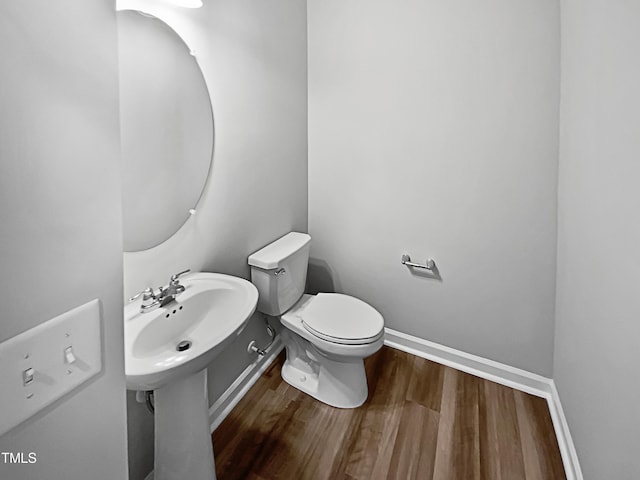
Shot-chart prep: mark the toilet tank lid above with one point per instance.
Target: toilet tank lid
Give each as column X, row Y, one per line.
column 273, row 255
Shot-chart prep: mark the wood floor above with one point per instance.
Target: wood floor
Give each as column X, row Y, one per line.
column 421, row 421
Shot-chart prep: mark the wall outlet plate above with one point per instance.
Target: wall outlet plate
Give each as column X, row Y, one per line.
column 36, row 367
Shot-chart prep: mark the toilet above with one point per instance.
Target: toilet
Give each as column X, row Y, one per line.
column 327, row 336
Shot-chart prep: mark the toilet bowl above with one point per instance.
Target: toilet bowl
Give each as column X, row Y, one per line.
column 326, row 336
column 325, row 350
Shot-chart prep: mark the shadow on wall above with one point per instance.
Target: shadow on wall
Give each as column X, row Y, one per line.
column 319, row 277
column 433, row 274
column 140, row 438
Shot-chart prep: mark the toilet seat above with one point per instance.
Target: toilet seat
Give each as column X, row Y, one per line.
column 342, row 319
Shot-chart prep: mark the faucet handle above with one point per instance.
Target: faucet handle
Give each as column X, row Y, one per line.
column 174, row 277
column 147, row 293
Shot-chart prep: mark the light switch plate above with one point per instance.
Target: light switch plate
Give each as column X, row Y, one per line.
column 42, row 348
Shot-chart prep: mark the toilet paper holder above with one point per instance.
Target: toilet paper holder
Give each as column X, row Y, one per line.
column 406, row 260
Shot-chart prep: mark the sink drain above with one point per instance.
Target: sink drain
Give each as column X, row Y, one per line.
column 183, row 345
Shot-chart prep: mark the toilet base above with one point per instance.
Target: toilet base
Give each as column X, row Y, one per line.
column 339, row 382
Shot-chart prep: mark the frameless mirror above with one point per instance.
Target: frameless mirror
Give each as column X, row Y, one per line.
column 166, row 127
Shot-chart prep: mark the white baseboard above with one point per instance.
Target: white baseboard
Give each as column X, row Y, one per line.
column 507, row 375
column 560, row 425
column 481, row 367
column 232, row 395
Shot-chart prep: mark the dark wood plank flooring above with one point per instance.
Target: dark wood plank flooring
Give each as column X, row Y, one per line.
column 422, row 421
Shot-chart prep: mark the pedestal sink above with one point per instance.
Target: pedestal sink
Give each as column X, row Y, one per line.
column 168, row 349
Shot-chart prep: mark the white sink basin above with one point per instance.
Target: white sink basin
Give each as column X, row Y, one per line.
column 210, row 313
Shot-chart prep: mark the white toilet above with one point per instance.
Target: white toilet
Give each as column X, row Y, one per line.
column 327, row 336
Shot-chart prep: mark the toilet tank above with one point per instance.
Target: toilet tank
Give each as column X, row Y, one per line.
column 279, row 272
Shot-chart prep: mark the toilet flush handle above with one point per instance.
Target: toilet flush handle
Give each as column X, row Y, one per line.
column 280, row 271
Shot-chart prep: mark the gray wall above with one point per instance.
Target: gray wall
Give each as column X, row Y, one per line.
column 253, row 55
column 61, row 219
column 433, row 130
column 596, row 366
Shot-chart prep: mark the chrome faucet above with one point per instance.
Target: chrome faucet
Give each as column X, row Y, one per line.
column 165, row 295
column 169, row 293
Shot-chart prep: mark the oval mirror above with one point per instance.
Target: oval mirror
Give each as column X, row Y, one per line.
column 166, row 128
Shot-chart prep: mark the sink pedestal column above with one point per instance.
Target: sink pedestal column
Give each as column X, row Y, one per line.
column 183, row 448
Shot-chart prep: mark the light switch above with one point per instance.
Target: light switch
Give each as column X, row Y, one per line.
column 39, row 349
column 69, row 357
column 27, row 376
